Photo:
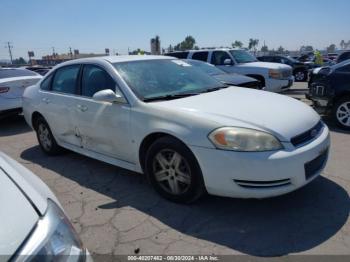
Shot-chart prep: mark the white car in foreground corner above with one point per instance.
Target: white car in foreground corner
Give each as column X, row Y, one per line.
column 185, row 130
column 32, row 223
column 13, row 81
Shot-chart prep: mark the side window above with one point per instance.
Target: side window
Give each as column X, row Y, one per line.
column 344, row 69
column 277, row 59
column 65, row 79
column 219, row 57
column 46, row 83
column 202, row 56
column 95, row 79
column 180, row 55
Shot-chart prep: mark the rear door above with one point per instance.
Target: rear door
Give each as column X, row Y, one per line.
column 57, row 95
column 103, row 127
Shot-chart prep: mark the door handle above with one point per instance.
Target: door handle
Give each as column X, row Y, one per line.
column 46, row 100
column 82, row 108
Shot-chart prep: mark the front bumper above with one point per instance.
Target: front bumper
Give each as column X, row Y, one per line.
column 274, row 173
column 278, row 85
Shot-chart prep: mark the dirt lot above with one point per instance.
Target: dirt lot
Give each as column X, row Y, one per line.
column 115, row 211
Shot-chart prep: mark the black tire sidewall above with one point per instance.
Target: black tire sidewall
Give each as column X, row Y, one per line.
column 334, row 113
column 196, row 189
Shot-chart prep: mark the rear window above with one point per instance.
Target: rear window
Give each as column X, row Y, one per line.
column 180, row 55
column 6, row 73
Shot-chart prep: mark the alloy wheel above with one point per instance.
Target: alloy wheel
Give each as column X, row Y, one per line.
column 343, row 113
column 299, row 76
column 172, row 171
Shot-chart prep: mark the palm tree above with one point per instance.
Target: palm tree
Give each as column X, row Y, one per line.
column 237, row 44
column 253, row 43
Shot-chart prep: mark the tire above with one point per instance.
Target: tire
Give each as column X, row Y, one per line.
column 341, row 113
column 45, row 138
column 179, row 176
column 300, row 75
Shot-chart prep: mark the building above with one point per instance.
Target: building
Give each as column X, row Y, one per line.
column 155, row 46
column 54, row 59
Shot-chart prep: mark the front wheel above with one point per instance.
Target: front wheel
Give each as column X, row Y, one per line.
column 173, row 171
column 341, row 113
column 45, row 138
column 300, row 76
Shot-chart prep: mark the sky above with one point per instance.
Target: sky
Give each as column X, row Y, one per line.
column 93, row 25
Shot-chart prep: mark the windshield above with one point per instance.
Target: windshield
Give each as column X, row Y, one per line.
column 205, row 67
column 242, row 56
column 5, row 73
column 158, row 78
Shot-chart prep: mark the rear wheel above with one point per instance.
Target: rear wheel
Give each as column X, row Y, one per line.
column 341, row 113
column 45, row 138
column 173, row 171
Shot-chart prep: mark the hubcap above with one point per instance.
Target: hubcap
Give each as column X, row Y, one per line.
column 172, row 172
column 343, row 113
column 44, row 136
column 299, row 76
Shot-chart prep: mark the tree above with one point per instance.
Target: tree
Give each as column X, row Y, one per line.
column 19, row 61
column 187, row 44
column 237, row 44
column 280, row 50
column 307, row 49
column 331, row 48
column 253, row 43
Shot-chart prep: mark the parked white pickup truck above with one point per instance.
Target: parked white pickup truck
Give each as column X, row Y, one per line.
column 274, row 77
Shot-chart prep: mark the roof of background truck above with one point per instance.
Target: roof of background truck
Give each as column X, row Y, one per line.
column 208, row 50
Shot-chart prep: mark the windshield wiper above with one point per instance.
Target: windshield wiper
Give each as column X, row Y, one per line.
column 169, row 97
column 215, row 88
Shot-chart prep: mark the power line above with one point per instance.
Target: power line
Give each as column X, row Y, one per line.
column 9, row 46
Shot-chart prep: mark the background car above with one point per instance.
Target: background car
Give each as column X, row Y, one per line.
column 42, row 70
column 330, row 92
column 300, row 69
column 13, row 82
column 273, row 77
column 186, row 131
column 344, row 56
column 223, row 77
column 33, row 224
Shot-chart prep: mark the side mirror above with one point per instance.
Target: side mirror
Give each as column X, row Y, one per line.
column 107, row 95
column 228, row 62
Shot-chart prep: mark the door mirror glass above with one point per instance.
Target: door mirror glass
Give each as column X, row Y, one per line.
column 107, row 95
column 228, row 61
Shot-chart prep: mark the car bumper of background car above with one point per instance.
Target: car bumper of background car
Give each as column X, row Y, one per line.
column 278, row 85
column 262, row 174
column 7, row 104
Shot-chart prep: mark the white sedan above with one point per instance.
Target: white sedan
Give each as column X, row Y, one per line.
column 33, row 226
column 189, row 133
column 13, row 81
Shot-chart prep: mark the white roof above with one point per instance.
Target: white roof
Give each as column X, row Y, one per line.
column 121, row 58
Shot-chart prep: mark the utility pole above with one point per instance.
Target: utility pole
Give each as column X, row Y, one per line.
column 70, row 52
column 53, row 51
column 9, row 46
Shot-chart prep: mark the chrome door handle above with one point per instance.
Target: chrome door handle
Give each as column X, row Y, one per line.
column 82, row 108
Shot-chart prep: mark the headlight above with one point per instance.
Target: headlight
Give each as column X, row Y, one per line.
column 275, row 73
column 243, row 139
column 53, row 239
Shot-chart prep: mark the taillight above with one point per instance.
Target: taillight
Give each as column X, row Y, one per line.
column 4, row 89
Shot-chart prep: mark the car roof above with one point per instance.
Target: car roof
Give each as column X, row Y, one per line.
column 207, row 50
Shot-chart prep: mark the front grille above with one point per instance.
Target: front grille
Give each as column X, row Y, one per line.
column 253, row 84
column 263, row 184
column 308, row 135
column 317, row 90
column 316, row 165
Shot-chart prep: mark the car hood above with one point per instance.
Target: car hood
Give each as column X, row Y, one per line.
column 266, row 65
column 23, row 198
column 234, row 79
column 18, row 217
column 280, row 115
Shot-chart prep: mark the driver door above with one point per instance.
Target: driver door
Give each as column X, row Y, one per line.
column 102, row 127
